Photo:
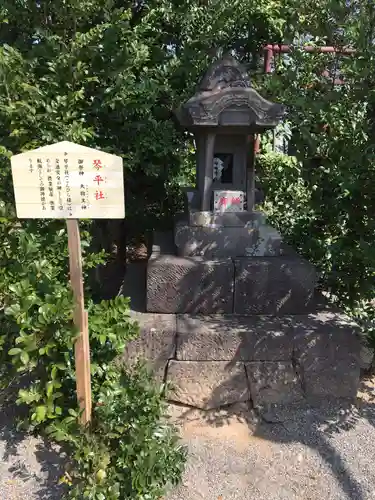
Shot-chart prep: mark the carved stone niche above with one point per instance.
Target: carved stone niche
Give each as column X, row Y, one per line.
column 222, row 115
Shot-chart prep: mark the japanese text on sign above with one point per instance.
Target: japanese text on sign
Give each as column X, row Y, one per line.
column 228, row 201
column 66, row 180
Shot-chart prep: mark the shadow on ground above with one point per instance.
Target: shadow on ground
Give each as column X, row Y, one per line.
column 30, row 466
column 323, row 429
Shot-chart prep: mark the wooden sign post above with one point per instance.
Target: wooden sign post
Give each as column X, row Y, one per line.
column 72, row 182
column 80, row 316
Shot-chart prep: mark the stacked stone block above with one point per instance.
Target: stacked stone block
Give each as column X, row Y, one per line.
column 234, row 318
column 214, row 361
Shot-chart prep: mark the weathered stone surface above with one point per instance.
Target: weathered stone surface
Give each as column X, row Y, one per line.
column 156, row 343
column 268, row 243
column 366, row 357
column 156, row 339
column 326, row 334
column 220, row 338
column 189, row 285
column 324, row 378
column 327, row 350
column 237, row 219
column 273, row 383
column 213, row 242
column 207, row 384
column 228, row 241
column 273, row 285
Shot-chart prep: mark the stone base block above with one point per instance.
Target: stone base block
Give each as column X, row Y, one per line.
column 207, row 385
column 189, row 285
column 323, row 378
column 227, row 219
column 226, row 241
column 273, row 383
column 273, row 285
column 327, row 351
column 326, row 334
column 233, row 338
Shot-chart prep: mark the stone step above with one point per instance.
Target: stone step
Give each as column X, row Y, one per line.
column 219, row 360
column 303, row 338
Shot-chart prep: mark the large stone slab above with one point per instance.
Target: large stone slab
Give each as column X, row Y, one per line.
column 207, row 384
column 226, row 241
column 189, row 285
column 239, row 219
column 219, row 338
column 326, row 334
column 213, row 242
column 273, row 285
column 324, row 378
column 273, row 383
column 327, row 351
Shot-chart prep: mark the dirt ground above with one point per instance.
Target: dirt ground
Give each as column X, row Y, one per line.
column 316, row 453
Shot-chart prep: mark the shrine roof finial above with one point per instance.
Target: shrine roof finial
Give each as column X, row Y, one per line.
column 227, row 72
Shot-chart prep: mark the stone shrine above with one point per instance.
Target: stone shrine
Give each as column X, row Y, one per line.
column 225, row 258
column 231, row 312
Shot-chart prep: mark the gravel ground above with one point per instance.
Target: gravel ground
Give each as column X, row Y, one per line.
column 30, row 467
column 316, row 454
column 326, row 453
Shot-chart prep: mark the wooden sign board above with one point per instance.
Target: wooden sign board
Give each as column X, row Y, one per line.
column 68, row 181
column 228, row 201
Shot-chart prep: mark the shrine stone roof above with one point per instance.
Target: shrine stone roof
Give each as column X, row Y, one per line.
column 226, row 98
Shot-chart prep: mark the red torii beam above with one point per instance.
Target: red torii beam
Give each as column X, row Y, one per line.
column 272, row 49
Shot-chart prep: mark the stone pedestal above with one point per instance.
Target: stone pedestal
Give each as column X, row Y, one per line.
column 275, row 362
column 229, row 263
column 189, row 285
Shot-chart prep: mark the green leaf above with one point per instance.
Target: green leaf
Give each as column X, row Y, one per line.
column 14, row 351
column 24, row 357
column 69, row 420
column 41, row 412
column 13, row 310
column 61, row 366
column 49, row 388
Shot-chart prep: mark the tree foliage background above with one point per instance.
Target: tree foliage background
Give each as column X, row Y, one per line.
column 324, row 201
column 108, row 74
